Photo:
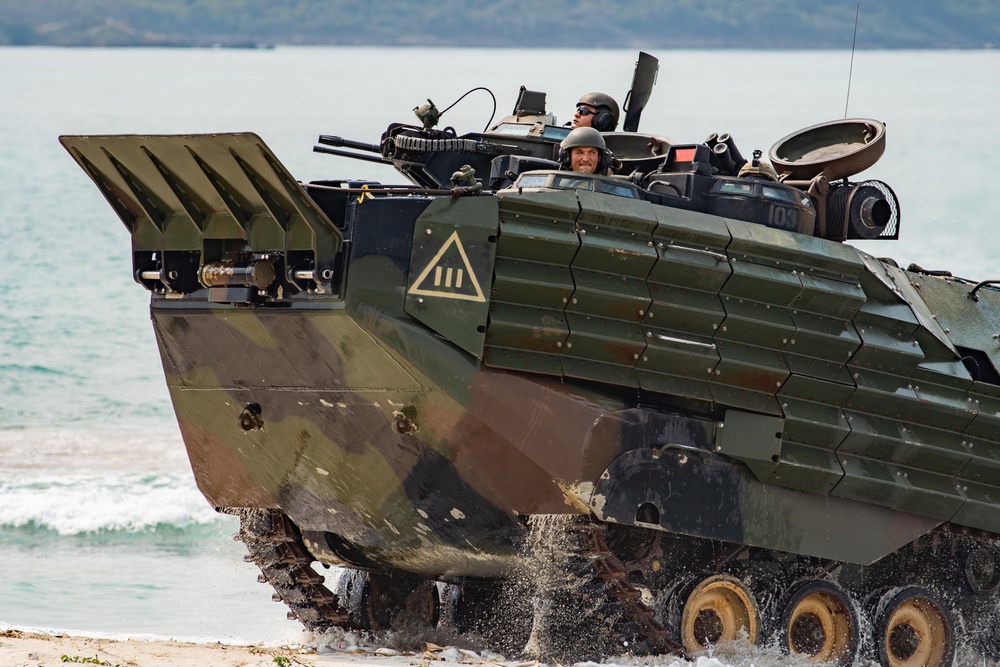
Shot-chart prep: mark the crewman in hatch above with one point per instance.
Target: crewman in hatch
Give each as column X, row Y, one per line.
column 585, row 152
column 596, row 110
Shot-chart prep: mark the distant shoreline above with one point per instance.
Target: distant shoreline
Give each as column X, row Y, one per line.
column 565, row 24
column 652, row 49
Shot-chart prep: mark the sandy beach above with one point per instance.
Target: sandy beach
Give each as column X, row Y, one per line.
column 32, row 649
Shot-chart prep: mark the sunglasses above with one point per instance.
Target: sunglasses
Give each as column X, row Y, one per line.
column 584, row 111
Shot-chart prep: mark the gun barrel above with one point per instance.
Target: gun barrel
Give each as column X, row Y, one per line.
column 331, row 140
column 356, row 156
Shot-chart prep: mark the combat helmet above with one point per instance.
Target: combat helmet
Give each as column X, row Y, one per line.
column 585, row 137
column 606, row 118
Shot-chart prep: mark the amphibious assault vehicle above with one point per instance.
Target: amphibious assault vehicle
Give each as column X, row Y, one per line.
column 652, row 410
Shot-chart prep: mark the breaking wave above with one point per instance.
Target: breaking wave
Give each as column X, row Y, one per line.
column 85, row 504
column 79, row 481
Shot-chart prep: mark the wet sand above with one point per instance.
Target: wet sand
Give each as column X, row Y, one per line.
column 31, row 649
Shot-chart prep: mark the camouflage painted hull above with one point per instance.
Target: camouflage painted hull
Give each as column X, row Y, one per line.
column 332, row 448
column 411, row 376
column 415, row 454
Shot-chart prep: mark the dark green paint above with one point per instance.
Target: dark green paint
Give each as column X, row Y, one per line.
column 518, row 331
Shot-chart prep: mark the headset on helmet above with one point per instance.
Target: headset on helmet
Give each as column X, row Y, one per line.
column 585, row 137
column 606, row 118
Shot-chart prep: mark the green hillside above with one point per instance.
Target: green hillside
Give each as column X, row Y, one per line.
column 795, row 24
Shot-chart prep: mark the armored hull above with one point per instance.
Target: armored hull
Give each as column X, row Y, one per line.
column 736, row 422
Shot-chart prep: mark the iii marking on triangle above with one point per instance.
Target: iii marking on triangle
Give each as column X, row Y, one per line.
column 449, row 274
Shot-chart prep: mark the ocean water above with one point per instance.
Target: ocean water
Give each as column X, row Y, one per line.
column 102, row 529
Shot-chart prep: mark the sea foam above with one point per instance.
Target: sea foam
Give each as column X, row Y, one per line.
column 90, row 481
column 75, row 504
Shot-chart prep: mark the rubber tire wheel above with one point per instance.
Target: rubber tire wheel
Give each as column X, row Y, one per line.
column 914, row 627
column 717, row 609
column 823, row 607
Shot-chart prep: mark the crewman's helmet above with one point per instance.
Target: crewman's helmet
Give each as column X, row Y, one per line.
column 606, row 118
column 585, row 137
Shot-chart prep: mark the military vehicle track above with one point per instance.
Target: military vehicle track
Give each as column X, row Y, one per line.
column 363, row 601
column 276, row 547
column 601, row 589
column 612, row 570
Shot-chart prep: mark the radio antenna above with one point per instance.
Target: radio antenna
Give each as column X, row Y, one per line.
column 850, row 74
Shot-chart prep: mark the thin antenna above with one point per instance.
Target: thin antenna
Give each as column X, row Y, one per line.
column 854, row 43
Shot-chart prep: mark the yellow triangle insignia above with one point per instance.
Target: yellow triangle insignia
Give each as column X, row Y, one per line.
column 449, row 274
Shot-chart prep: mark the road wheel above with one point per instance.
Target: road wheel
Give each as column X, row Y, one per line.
column 719, row 609
column 376, row 601
column 819, row 622
column 913, row 628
